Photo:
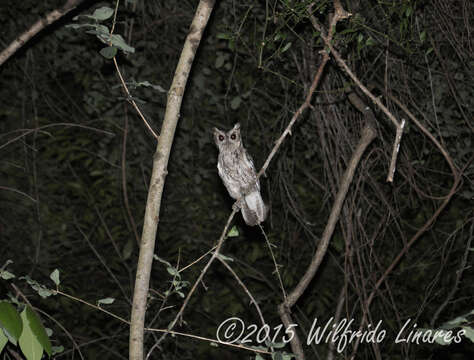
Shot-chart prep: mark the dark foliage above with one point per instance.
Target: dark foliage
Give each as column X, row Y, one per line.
column 70, row 141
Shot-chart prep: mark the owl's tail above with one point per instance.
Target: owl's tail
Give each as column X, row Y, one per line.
column 254, row 210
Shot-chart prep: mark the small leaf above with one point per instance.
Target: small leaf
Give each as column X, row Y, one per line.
column 223, row 36
column 225, row 258
column 106, row 301
column 277, row 356
column 469, row 333
column 455, row 322
column 55, row 277
column 442, row 341
column 108, row 52
column 146, row 83
column 173, row 271
column 6, row 275
column 44, row 293
column 57, row 349
column 102, row 13
column 277, row 345
column 235, row 103
column 10, row 320
column 286, row 47
column 118, row 41
column 233, row 232
column 3, row 340
column 219, row 61
column 423, row 36
column 128, row 249
column 156, row 257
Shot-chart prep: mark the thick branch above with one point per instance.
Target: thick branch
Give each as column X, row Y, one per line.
column 158, row 176
column 368, row 134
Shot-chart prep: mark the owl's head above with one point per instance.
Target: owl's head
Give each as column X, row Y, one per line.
column 228, row 140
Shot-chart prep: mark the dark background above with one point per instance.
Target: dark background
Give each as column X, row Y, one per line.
column 71, row 146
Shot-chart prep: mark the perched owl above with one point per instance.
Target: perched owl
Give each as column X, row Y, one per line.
column 237, row 171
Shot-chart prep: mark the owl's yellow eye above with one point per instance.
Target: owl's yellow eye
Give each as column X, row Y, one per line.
column 233, row 136
column 221, row 138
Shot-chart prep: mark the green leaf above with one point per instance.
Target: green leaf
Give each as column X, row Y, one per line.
column 146, row 83
column 235, row 103
column 3, row 340
column 286, row 47
column 6, row 275
column 423, row 36
column 441, row 340
column 128, row 249
column 10, row 320
column 118, row 41
column 57, row 349
column 173, row 271
column 55, row 277
column 37, row 329
column 102, row 13
column 219, row 61
column 106, row 301
column 224, row 36
column 455, row 322
column 40, row 289
column 29, row 343
column 156, row 257
column 277, row 356
column 108, row 52
column 469, row 333
column 233, row 232
column 225, row 258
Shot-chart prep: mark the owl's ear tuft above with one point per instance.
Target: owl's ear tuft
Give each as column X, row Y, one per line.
column 216, row 131
column 236, row 127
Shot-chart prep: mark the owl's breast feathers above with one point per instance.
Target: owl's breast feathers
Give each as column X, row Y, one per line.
column 238, row 168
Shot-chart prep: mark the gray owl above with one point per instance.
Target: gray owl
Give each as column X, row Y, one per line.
column 237, row 171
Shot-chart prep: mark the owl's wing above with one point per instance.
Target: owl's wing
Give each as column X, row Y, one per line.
column 248, row 170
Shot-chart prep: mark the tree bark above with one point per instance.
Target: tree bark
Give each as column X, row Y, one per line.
column 158, row 176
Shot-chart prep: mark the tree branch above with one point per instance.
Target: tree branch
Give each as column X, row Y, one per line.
column 158, row 176
column 54, row 15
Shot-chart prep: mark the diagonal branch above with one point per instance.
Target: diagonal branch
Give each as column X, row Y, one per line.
column 53, row 16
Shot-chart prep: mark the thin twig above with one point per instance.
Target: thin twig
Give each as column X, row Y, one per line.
column 252, row 300
column 269, row 245
column 203, row 272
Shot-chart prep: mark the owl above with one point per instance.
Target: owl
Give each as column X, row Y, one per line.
column 237, row 172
